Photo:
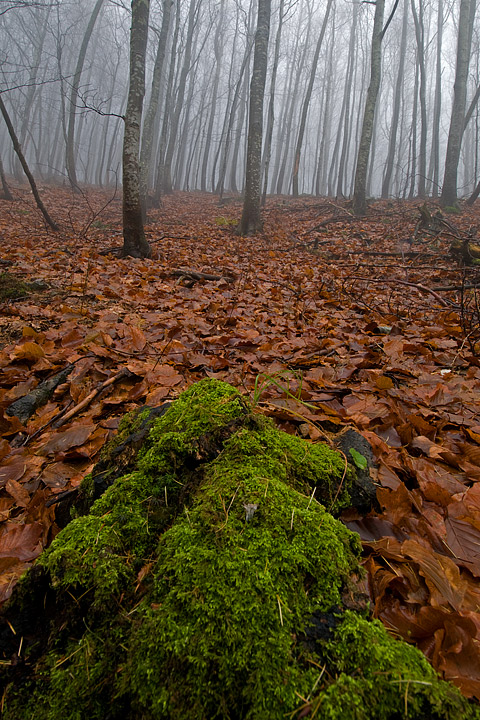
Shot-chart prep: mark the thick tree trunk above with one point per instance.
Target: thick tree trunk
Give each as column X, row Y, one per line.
column 359, row 192
column 457, row 119
column 251, row 221
column 134, row 242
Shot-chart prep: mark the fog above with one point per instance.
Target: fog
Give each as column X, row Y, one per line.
column 65, row 75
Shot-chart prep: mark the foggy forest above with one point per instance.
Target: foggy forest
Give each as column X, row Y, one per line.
column 239, row 359
column 65, row 76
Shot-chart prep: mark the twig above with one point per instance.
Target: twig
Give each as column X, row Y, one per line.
column 422, row 288
column 124, row 372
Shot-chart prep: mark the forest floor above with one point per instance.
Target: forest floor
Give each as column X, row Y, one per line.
column 325, row 321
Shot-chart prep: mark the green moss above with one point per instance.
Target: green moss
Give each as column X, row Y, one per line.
column 190, row 590
column 380, row 678
column 11, row 287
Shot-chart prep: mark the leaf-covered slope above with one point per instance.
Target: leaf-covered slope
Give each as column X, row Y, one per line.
column 372, row 323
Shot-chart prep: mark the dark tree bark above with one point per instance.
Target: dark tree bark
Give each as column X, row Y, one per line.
column 457, row 119
column 359, row 193
column 251, row 220
column 26, row 169
column 134, row 242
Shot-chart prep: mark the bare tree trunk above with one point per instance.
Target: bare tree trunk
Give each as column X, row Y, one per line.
column 434, row 165
column 7, row 195
column 160, row 172
column 134, row 242
column 70, row 157
column 306, row 101
column 392, row 141
column 420, row 37
column 351, row 62
column 251, row 221
column 150, row 115
column 26, row 169
column 457, row 120
column 359, row 192
column 218, row 52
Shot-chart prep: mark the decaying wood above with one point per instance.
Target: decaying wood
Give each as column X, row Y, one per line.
column 194, row 275
column 24, row 407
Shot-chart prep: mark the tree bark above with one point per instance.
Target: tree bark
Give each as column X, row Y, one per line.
column 457, row 119
column 392, row 141
column 147, row 134
column 251, row 221
column 134, row 242
column 70, row 156
column 26, row 169
column 306, row 101
column 359, row 193
column 7, row 195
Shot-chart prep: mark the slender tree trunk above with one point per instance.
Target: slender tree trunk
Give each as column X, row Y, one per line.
column 413, row 154
column 359, row 192
column 434, row 165
column 251, row 221
column 392, row 141
column 26, row 169
column 306, row 101
column 150, row 115
column 166, row 180
column 422, row 155
column 160, row 173
column 351, row 61
column 238, row 136
column 271, row 105
column 457, row 120
column 218, row 52
column 70, row 157
column 134, row 242
column 7, row 195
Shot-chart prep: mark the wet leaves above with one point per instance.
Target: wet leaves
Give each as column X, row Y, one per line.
column 349, row 335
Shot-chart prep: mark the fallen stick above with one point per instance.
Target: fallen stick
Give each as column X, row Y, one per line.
column 422, row 288
column 87, row 400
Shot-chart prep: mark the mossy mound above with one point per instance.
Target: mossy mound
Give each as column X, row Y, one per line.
column 206, row 583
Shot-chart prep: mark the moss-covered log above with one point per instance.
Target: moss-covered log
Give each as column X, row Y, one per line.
column 208, row 582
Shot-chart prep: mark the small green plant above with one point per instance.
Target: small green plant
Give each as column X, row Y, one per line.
column 282, row 381
column 359, row 460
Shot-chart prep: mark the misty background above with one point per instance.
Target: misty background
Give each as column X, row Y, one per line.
column 64, row 81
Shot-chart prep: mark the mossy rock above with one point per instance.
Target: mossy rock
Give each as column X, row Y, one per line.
column 208, row 582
